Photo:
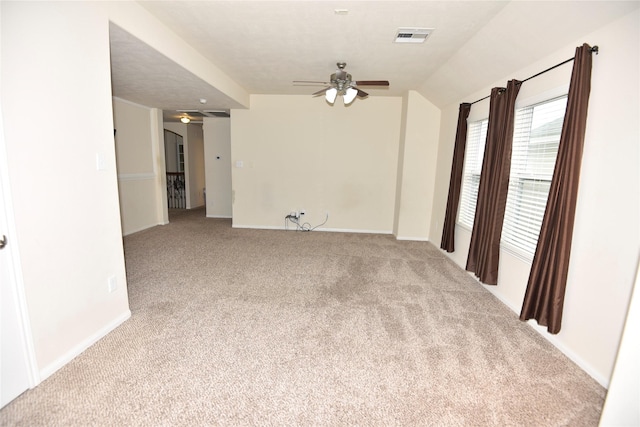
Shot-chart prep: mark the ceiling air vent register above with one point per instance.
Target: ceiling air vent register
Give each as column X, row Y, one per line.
column 412, row 35
column 204, row 113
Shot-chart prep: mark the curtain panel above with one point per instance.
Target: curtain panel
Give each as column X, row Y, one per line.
column 544, row 297
column 484, row 249
column 455, row 181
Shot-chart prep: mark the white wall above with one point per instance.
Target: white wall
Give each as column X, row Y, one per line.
column 138, row 174
column 217, row 154
column 68, row 223
column 606, row 234
column 417, row 165
column 66, row 210
column 298, row 152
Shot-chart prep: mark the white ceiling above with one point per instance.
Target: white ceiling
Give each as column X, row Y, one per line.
column 142, row 75
column 265, row 45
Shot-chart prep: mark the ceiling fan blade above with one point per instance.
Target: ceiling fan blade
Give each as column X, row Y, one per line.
column 372, row 83
column 321, row 91
column 308, row 83
column 361, row 93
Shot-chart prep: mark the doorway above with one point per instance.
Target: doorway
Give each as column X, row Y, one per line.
column 174, row 164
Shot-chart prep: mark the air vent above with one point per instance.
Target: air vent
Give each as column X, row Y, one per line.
column 205, row 113
column 412, row 35
column 192, row 113
column 217, row 113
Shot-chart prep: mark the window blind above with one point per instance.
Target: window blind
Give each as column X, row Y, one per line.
column 476, row 137
column 535, row 147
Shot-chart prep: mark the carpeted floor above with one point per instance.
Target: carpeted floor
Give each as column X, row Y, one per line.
column 264, row 327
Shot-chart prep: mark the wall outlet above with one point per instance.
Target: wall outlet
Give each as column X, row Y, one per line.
column 112, row 284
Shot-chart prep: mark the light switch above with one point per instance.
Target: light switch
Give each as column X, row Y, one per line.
column 239, row 163
column 101, row 162
column 112, row 284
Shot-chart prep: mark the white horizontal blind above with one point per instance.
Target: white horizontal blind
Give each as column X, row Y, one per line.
column 536, row 136
column 474, row 152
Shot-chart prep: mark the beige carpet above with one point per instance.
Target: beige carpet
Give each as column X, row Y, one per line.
column 261, row 327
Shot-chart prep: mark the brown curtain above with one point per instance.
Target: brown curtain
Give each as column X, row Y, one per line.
column 455, row 182
column 544, row 297
column 484, row 249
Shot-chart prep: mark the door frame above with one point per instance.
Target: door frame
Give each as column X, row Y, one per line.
column 15, row 285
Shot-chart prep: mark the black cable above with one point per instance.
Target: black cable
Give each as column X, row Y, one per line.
column 325, row 221
column 304, row 226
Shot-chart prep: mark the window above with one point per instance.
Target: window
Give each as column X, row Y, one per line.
column 476, row 136
column 180, row 155
column 535, row 147
column 536, row 136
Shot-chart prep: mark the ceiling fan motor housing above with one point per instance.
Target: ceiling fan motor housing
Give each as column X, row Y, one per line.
column 341, row 80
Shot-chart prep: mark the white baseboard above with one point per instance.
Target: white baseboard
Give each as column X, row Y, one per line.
column 145, row 227
column 139, row 229
column 553, row 339
column 47, row 371
column 542, row 330
column 260, row 227
column 351, row 230
column 292, row 228
column 413, row 239
column 219, row 216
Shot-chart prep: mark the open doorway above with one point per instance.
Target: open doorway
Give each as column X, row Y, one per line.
column 174, row 164
column 185, row 166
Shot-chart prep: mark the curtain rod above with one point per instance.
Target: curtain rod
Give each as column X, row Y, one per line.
column 593, row 49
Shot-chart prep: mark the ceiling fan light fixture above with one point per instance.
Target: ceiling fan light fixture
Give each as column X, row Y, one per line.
column 185, row 119
column 350, row 95
column 331, row 94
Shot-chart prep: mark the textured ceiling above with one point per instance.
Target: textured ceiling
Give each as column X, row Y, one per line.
column 265, row 45
column 142, row 75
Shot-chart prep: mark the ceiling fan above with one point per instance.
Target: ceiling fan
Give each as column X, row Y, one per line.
column 342, row 84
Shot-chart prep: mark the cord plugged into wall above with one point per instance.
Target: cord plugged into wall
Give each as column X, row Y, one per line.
column 294, row 215
column 295, row 218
